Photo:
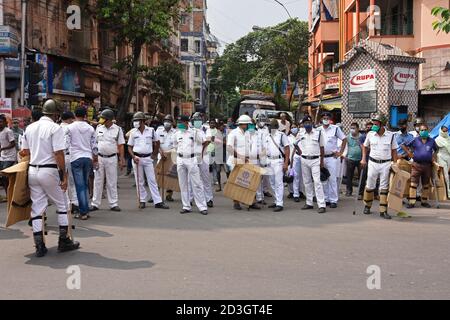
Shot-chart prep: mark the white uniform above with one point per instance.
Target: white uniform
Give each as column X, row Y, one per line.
column 188, row 169
column 265, row 186
column 165, row 139
column 142, row 143
column 108, row 140
column 43, row 138
column 203, row 165
column 331, row 136
column 297, row 185
column 274, row 142
column 71, row 190
column 309, row 144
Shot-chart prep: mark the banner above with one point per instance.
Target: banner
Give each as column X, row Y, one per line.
column 9, row 42
column 363, row 80
column 65, row 78
column 332, row 82
column 404, row 79
column 6, row 107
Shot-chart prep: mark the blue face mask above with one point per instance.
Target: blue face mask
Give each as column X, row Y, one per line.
column 308, row 127
column 197, row 124
column 294, row 131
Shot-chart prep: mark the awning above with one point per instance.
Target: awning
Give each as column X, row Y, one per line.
column 328, row 104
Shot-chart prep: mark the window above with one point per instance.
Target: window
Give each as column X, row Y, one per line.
column 198, row 46
column 197, row 94
column 183, row 19
column 184, row 45
column 197, row 70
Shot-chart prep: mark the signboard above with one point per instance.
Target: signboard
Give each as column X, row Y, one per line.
column 332, row 82
column 65, row 78
column 404, row 79
column 362, row 102
column 362, row 80
column 6, row 107
column 187, row 108
column 9, row 42
column 43, row 84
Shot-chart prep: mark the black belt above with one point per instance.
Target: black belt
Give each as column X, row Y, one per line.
column 188, row 156
column 310, row 157
column 140, row 155
column 274, row 158
column 379, row 161
column 53, row 166
column 111, row 155
column 328, row 155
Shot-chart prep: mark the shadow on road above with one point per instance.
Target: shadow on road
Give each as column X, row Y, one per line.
column 82, row 232
column 55, row 260
column 9, row 234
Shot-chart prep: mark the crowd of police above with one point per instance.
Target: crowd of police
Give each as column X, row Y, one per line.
column 65, row 151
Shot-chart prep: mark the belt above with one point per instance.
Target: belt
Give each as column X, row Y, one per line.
column 273, row 158
column 112, row 155
column 54, row 166
column 328, row 155
column 310, row 157
column 67, row 153
column 140, row 155
column 379, row 161
column 187, row 157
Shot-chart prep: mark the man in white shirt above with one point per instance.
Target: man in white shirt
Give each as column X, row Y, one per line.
column 333, row 153
column 165, row 135
column 83, row 156
column 67, row 118
column 140, row 147
column 110, row 144
column 262, row 132
column 185, row 141
column 8, row 153
column 47, row 178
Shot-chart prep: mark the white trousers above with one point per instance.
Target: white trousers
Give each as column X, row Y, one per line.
column 206, row 180
column 330, row 187
column 444, row 161
column 44, row 185
column 311, row 178
column 297, row 185
column 71, row 190
column 375, row 171
column 146, row 165
column 189, row 172
column 276, row 180
column 107, row 168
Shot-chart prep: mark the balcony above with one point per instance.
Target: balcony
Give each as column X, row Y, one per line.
column 327, row 31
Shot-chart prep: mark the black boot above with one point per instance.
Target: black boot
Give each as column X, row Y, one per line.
column 41, row 250
column 64, row 242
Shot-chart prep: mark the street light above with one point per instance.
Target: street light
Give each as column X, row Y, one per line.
column 284, row 8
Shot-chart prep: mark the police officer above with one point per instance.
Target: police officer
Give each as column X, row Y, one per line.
column 278, row 153
column 310, row 145
column 67, row 118
column 165, row 135
column 262, row 122
column 140, row 147
column 185, row 141
column 110, row 141
column 381, row 146
column 47, row 177
column 333, row 153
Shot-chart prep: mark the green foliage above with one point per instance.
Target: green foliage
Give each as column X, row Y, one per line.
column 443, row 24
column 166, row 78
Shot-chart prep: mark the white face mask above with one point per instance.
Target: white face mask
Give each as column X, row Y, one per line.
column 136, row 124
column 167, row 125
column 325, row 122
column 353, row 131
column 261, row 125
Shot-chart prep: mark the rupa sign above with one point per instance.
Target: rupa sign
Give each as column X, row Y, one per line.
column 363, row 80
column 404, row 79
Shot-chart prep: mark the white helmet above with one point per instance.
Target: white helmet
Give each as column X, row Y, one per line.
column 244, row 119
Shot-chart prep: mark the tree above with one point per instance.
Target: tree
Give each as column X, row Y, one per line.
column 444, row 15
column 136, row 23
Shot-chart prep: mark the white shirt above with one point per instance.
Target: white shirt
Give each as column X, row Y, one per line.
column 199, row 135
column 108, row 139
column 331, row 136
column 6, row 137
column 142, row 142
column 64, row 126
column 186, row 142
column 81, row 140
column 381, row 146
column 279, row 141
column 414, row 133
column 165, row 138
column 43, row 138
column 239, row 141
column 310, row 143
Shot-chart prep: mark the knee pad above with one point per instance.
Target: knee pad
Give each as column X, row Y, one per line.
column 383, row 200
column 368, row 197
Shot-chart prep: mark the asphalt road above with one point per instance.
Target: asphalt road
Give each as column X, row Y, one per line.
column 160, row 254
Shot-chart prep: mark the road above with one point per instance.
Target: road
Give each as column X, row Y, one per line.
column 160, row 254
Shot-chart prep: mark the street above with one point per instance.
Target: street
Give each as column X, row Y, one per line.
column 160, row 254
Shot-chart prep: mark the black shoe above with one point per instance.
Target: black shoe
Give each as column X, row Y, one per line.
column 322, row 210
column 333, row 205
column 297, row 199
column 184, row 211
column 161, row 205
column 267, row 194
column 278, row 209
column 262, row 202
column 425, row 205
column 290, row 196
column 385, row 215
column 367, row 210
column 410, row 205
column 273, row 205
column 142, row 205
column 302, row 196
column 210, row 204
column 41, row 250
column 307, row 207
column 93, row 208
column 327, row 204
column 74, row 209
column 204, row 212
column 255, row 207
column 169, row 198
column 65, row 243
column 237, row 206
column 150, row 201
column 419, row 198
column 116, row 209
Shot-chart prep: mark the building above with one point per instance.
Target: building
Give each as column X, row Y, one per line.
column 405, row 24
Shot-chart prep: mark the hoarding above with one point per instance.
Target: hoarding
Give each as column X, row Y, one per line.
column 404, row 79
column 9, row 42
column 363, row 80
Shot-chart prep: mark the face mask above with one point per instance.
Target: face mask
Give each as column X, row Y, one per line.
column 181, row 126
column 353, row 131
column 403, row 130
column 326, row 122
column 251, row 128
column 417, row 129
column 167, row 125
column 102, row 121
column 424, row 134
column 375, row 128
column 308, row 127
column 197, row 124
column 294, row 131
column 261, row 125
column 136, row 124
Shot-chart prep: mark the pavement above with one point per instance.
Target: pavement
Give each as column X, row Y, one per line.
column 160, row 254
